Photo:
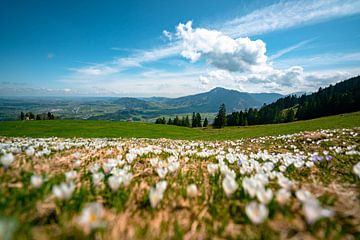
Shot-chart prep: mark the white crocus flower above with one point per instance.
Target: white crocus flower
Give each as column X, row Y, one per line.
column 154, row 162
column 313, row 211
column 77, row 163
column 212, row 168
column 282, row 196
column 264, row 196
column 229, row 185
column 92, row 217
column 284, row 182
column 94, row 168
column 157, row 193
column 256, row 212
column 356, row 169
column 36, row 181
column 114, row 183
column 30, row 151
column 130, row 157
column 63, row 191
column 161, row 172
column 173, row 166
column 309, row 164
column 192, row 191
column 70, row 176
column 303, row 195
column 97, row 178
column 7, row 159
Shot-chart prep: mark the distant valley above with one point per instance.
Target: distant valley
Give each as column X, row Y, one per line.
column 134, row 109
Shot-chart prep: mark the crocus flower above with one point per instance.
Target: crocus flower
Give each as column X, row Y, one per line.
column 161, row 172
column 282, row 196
column 30, row 151
column 356, row 169
column 212, row 168
column 229, row 185
column 256, row 212
column 173, row 166
column 63, row 191
column 36, row 181
column 92, row 217
column 114, row 183
column 7, row 159
column 157, row 193
column 70, row 176
column 313, row 211
column 97, row 178
column 192, row 191
column 264, row 196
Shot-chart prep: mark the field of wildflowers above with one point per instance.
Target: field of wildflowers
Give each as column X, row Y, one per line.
column 301, row 186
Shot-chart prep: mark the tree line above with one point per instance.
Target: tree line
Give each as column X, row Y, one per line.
column 340, row 98
column 196, row 121
column 32, row 116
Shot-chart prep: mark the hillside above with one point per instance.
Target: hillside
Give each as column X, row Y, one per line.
column 342, row 97
column 127, row 108
column 78, row 128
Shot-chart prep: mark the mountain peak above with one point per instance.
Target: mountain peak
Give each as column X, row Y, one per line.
column 220, row 89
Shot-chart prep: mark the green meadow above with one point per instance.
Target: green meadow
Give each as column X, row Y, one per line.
column 94, row 129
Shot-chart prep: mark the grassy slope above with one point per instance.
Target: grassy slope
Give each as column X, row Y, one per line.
column 79, row 128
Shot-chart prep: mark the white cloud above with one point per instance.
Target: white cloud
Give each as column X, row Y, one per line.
column 320, row 60
column 222, row 51
column 289, row 49
column 235, row 61
column 96, row 70
column 285, row 81
column 287, row 14
column 167, row 34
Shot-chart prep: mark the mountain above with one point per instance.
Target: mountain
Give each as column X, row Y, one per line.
column 210, row 101
column 128, row 108
column 207, row 102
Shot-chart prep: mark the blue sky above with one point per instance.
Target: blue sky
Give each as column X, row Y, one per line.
column 175, row 48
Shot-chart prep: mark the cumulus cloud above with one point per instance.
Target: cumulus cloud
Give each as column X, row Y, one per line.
column 167, row 34
column 221, row 51
column 285, row 81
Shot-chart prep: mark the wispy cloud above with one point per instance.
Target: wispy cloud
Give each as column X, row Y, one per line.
column 289, row 14
column 136, row 59
column 320, row 60
column 284, row 51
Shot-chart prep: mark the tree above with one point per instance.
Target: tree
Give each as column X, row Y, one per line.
column 31, row 116
column 220, row 119
column 170, row 122
column 176, row 121
column 158, row 121
column 290, row 115
column 187, row 121
column 22, row 116
column 206, row 123
column 38, row 117
column 193, row 120
column 198, row 120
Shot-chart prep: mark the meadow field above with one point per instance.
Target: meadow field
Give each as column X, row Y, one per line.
column 94, row 129
column 300, row 183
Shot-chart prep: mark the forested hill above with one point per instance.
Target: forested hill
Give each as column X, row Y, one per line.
column 339, row 98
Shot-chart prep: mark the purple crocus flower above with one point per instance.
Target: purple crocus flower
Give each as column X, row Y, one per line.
column 239, row 163
column 328, row 157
